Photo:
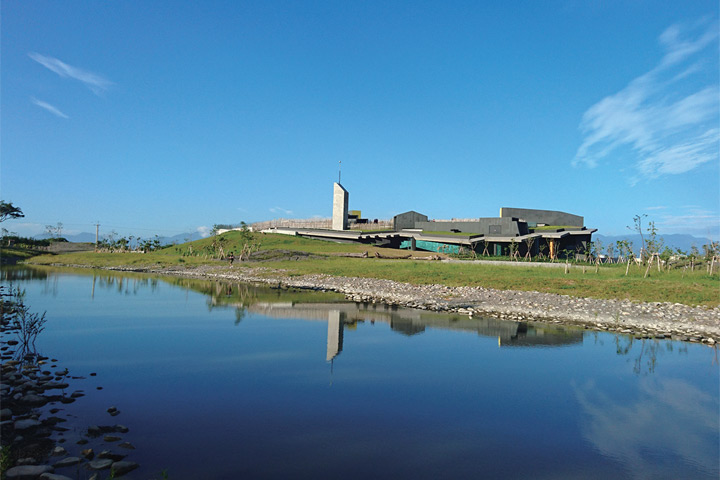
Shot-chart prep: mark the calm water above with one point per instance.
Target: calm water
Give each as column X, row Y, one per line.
column 224, row 381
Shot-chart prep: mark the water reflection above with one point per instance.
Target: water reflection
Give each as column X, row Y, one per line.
column 644, row 352
column 413, row 322
column 254, row 397
column 628, row 432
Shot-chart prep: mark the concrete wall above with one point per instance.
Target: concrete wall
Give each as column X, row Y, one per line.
column 340, row 207
column 485, row 226
column 549, row 217
column 408, row 220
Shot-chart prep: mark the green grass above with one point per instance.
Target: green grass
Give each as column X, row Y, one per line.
column 694, row 288
column 553, row 227
column 450, row 234
column 10, row 255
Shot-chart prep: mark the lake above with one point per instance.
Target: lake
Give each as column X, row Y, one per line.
column 223, row 381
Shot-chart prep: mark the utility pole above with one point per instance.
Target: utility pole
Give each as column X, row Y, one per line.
column 97, row 234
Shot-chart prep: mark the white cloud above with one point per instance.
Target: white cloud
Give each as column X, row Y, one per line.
column 281, row 210
column 55, row 111
column 204, row 231
column 663, row 117
column 682, row 157
column 96, row 83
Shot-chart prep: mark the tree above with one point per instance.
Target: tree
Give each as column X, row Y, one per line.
column 8, row 210
column 653, row 244
column 637, row 220
column 54, row 231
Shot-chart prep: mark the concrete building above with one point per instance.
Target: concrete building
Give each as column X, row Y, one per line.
column 542, row 217
column 549, row 232
column 408, row 220
column 523, row 232
column 340, row 207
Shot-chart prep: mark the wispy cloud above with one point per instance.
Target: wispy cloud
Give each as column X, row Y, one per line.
column 281, row 210
column 96, row 83
column 48, row 107
column 664, row 117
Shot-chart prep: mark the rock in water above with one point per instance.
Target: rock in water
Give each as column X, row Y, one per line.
column 100, row 464
column 123, row 467
column 67, row 462
column 53, row 476
column 26, row 424
column 27, row 472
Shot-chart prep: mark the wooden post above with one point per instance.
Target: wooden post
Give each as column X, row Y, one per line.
column 652, row 257
column 627, row 269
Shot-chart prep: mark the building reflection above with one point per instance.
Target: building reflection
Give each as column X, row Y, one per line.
column 336, row 327
column 405, row 321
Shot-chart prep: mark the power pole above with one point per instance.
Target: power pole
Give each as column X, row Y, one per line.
column 97, row 234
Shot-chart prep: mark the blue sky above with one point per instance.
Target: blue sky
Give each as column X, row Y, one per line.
column 168, row 117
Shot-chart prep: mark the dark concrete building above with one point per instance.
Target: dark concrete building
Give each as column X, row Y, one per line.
column 408, row 220
column 548, row 232
column 542, row 217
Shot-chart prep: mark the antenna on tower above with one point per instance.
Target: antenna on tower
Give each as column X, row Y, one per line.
column 339, row 170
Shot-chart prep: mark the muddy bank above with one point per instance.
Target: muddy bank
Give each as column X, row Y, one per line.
column 656, row 319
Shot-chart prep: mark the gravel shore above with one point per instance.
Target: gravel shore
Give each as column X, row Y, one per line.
column 657, row 319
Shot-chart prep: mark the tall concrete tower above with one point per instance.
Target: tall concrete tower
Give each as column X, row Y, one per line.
column 340, row 207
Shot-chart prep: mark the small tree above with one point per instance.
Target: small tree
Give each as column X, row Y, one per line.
column 513, row 249
column 596, row 248
column 653, row 243
column 610, row 249
column 637, row 227
column 8, row 210
column 529, row 243
column 55, row 231
column 694, row 255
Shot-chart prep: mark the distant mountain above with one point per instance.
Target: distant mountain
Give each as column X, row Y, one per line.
column 674, row 241
column 83, row 237
column 90, row 237
column 181, row 238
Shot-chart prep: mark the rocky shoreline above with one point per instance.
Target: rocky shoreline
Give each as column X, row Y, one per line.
column 643, row 320
column 36, row 440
